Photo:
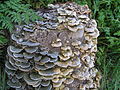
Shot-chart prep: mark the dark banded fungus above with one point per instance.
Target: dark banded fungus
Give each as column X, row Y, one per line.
column 56, row 53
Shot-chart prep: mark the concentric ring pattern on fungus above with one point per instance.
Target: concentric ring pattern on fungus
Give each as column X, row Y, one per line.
column 55, row 53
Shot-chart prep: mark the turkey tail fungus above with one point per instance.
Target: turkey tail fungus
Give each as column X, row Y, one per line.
column 56, row 53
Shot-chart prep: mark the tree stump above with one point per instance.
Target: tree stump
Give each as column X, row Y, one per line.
column 55, row 53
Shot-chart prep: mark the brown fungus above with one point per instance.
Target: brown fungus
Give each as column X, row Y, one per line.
column 57, row 53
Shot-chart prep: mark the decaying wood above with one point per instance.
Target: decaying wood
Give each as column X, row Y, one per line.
column 56, row 53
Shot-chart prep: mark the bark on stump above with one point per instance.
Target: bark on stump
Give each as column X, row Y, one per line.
column 56, row 53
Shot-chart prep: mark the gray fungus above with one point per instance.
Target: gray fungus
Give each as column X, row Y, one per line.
column 56, row 53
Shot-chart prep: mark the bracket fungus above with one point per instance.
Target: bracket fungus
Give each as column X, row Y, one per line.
column 56, row 53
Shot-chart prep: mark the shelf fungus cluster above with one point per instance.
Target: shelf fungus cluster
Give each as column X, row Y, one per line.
column 55, row 53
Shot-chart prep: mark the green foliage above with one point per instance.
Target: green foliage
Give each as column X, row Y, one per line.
column 3, row 40
column 107, row 14
column 3, row 84
column 110, row 68
column 14, row 12
column 43, row 3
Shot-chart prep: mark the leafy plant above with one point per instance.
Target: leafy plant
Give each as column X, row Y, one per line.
column 14, row 12
column 107, row 14
column 3, row 40
column 3, row 84
column 43, row 3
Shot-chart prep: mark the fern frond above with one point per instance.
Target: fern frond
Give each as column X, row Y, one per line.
column 15, row 12
column 6, row 22
column 117, row 33
column 3, row 40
